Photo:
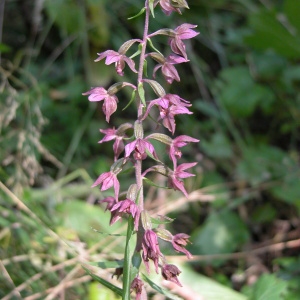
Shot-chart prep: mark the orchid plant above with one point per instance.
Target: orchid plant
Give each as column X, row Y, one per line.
column 135, row 149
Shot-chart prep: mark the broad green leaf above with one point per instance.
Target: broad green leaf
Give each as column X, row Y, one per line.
column 107, row 284
column 98, row 293
column 291, row 9
column 205, row 287
column 269, row 33
column 221, row 233
column 269, row 287
column 236, row 81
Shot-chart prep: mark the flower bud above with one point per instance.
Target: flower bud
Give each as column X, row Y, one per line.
column 138, row 130
column 164, row 234
column 146, row 220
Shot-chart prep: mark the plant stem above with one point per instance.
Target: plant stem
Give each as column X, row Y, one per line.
column 127, row 270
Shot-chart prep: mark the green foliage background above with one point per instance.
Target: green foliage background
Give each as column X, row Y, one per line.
column 243, row 80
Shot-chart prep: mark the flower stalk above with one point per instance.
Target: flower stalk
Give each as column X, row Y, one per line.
column 142, row 238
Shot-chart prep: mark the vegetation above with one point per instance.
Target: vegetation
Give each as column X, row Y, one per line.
column 243, row 216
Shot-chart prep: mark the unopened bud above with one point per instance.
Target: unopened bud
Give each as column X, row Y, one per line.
column 146, row 220
column 138, row 130
column 132, row 192
column 164, row 234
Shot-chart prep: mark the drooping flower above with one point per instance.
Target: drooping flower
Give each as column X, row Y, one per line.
column 118, row 135
column 119, row 59
column 139, row 146
column 179, row 241
column 167, row 67
column 177, row 143
column 169, row 105
column 182, row 32
column 176, row 176
column 168, row 8
column 108, row 180
column 110, row 100
column 137, row 286
column 150, row 249
column 126, row 206
column 170, row 273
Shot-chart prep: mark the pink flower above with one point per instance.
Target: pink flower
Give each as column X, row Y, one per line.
column 169, row 105
column 170, row 273
column 139, row 146
column 150, row 249
column 168, row 70
column 118, row 135
column 137, row 285
column 167, row 7
column 177, row 143
column 176, row 176
column 108, row 180
column 110, row 101
column 182, row 32
column 179, row 241
column 126, row 206
column 119, row 60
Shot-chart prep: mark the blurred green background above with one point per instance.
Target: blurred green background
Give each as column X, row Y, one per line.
column 243, row 214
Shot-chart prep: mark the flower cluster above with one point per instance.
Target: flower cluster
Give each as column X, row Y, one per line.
column 130, row 141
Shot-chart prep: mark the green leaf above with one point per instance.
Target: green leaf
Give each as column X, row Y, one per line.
column 151, row 6
column 236, row 81
column 269, row 33
column 141, row 93
column 221, row 233
column 131, row 100
column 138, row 14
column 292, row 8
column 108, row 264
column 150, row 182
column 207, row 288
column 4, row 48
column 107, row 284
column 269, row 287
column 219, row 146
column 98, row 293
column 159, row 288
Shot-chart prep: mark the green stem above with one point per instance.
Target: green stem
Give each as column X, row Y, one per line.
column 127, row 261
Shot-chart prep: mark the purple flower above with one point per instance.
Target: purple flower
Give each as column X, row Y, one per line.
column 111, row 201
column 115, row 134
column 108, row 180
column 170, row 273
column 176, row 176
column 119, row 60
column 177, row 143
column 168, row 70
column 182, row 32
column 150, row 249
column 137, row 286
column 179, row 241
column 167, row 7
column 169, row 105
column 126, row 206
column 110, row 101
column 139, row 146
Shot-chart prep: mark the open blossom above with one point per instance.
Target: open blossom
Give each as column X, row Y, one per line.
column 170, row 273
column 168, row 70
column 179, row 241
column 182, row 32
column 150, row 249
column 119, row 60
column 139, row 146
column 126, row 206
column 177, row 143
column 108, row 180
column 176, row 176
column 169, row 105
column 110, row 101
column 118, row 135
